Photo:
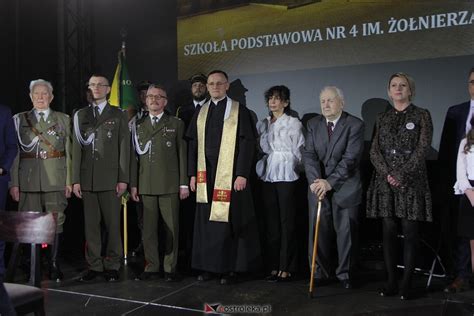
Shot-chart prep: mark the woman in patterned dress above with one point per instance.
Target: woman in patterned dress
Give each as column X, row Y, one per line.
column 399, row 192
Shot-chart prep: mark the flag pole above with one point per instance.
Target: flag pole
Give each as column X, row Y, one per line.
column 123, row 33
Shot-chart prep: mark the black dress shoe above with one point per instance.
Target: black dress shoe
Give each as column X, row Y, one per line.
column 205, row 276
column 171, row 277
column 111, row 275
column 146, row 276
column 347, row 284
column 228, row 279
column 405, row 294
column 89, row 276
column 138, row 252
column 55, row 273
column 272, row 278
column 288, row 278
column 458, row 285
column 388, row 291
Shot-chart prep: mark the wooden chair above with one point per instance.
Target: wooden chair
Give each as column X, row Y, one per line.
column 27, row 228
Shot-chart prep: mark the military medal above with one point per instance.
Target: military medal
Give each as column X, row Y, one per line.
column 410, row 126
column 109, row 134
column 51, row 132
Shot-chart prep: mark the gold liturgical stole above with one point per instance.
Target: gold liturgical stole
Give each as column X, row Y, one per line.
column 225, row 164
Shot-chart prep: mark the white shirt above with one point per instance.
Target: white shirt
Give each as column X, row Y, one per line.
column 158, row 116
column 464, row 169
column 281, row 141
column 46, row 114
column 200, row 103
column 334, row 122
column 101, row 106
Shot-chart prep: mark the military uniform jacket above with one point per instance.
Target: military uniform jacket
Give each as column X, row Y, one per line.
column 163, row 168
column 100, row 165
column 38, row 174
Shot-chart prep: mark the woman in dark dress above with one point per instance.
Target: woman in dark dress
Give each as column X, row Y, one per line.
column 399, row 192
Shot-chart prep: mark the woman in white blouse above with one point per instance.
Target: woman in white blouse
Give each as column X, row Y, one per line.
column 281, row 140
column 465, row 186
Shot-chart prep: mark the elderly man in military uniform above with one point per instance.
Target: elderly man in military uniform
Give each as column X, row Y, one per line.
column 162, row 180
column 100, row 173
column 40, row 175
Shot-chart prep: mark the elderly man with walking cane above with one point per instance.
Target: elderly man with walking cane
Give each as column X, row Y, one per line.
column 331, row 156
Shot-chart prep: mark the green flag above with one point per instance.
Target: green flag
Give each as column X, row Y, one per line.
column 122, row 92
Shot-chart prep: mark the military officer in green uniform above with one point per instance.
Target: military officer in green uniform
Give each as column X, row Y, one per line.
column 100, row 174
column 160, row 180
column 41, row 172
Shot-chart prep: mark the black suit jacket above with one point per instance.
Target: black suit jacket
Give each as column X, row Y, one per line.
column 454, row 130
column 186, row 112
column 337, row 159
column 8, row 143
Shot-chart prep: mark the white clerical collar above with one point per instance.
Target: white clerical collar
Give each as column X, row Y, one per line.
column 158, row 116
column 472, row 104
column 101, row 106
column 218, row 100
column 46, row 114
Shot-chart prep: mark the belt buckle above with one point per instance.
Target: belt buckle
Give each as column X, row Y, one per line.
column 43, row 154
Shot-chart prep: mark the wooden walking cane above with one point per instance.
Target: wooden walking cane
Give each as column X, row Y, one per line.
column 315, row 248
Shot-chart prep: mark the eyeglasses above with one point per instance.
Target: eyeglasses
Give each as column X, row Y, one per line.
column 156, row 97
column 216, row 84
column 98, row 85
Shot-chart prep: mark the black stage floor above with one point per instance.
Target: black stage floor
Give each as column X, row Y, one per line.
column 187, row 297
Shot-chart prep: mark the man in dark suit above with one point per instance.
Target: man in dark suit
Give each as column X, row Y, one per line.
column 199, row 93
column 8, row 150
column 161, row 179
column 332, row 153
column 100, row 174
column 457, row 123
column 187, row 207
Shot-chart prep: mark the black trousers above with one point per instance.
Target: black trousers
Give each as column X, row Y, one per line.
column 280, row 237
column 410, row 231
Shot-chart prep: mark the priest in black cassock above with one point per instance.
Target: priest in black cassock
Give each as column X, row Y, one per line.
column 221, row 148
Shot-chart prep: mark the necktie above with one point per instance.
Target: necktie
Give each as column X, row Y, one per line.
column 96, row 111
column 155, row 121
column 42, row 122
column 330, row 129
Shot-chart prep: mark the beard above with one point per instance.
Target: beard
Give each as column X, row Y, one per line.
column 199, row 97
